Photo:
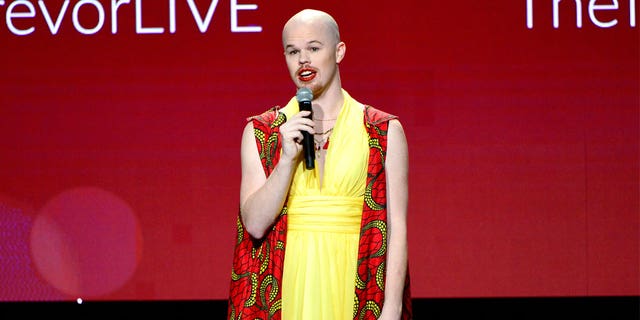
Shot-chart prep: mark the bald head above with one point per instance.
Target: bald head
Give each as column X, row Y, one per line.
column 313, row 17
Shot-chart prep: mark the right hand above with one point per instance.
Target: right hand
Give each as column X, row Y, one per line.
column 291, row 134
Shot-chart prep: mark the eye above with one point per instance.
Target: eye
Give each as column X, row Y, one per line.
column 314, row 49
column 293, row 52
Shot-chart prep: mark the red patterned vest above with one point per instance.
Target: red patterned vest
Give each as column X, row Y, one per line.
column 257, row 264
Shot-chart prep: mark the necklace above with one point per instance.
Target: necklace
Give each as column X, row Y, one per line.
column 316, row 119
column 321, row 144
column 323, row 141
column 323, row 133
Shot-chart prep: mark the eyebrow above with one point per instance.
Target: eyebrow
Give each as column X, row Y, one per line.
column 308, row 43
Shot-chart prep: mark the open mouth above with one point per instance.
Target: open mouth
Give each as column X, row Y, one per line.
column 306, row 74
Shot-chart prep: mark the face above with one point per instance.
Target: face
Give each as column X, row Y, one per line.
column 312, row 53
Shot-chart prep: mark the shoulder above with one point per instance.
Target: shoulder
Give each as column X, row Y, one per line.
column 269, row 120
column 267, row 116
column 375, row 116
column 396, row 131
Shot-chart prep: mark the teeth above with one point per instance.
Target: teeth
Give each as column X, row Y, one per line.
column 305, row 73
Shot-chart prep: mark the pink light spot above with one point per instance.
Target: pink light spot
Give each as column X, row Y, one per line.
column 86, row 242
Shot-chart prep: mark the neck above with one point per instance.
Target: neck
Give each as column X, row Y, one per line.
column 328, row 105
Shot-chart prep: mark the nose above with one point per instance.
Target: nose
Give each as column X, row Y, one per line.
column 303, row 57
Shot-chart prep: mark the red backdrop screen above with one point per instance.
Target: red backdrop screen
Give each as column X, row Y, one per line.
column 120, row 127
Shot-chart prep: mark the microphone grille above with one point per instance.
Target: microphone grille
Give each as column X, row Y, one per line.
column 304, row 95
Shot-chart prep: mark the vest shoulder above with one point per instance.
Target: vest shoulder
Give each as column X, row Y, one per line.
column 374, row 116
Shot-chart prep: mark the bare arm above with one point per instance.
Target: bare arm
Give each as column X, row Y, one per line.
column 262, row 198
column 397, row 164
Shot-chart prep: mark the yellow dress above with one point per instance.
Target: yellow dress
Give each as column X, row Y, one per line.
column 323, row 224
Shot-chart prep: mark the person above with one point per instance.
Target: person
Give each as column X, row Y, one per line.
column 328, row 242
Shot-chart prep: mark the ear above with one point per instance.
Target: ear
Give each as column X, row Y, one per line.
column 341, row 49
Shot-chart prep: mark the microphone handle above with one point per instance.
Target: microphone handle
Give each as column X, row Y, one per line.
column 307, row 141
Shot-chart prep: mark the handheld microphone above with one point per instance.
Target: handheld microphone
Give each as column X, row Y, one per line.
column 304, row 97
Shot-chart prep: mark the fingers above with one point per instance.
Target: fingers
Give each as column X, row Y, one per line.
column 291, row 133
column 303, row 113
column 298, row 122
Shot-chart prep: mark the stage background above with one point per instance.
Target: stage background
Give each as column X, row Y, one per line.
column 119, row 150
